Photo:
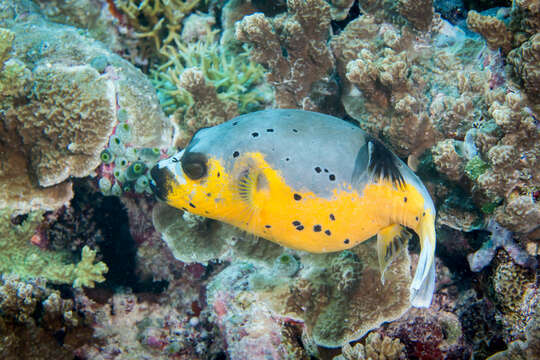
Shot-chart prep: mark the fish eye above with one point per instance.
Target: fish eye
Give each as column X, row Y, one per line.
column 194, row 165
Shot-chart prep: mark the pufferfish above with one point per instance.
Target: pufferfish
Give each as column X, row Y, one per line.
column 307, row 181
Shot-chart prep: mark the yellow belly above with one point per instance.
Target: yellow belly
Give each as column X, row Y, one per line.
column 322, row 225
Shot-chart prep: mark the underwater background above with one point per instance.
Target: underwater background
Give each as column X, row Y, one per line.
column 93, row 93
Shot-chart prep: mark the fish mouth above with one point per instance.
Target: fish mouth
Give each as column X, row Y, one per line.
column 160, row 182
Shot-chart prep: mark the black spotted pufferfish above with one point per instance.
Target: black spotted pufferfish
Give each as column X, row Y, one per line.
column 307, row 181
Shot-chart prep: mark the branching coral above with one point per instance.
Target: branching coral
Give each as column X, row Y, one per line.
column 205, row 84
column 305, row 59
column 157, row 21
column 19, row 256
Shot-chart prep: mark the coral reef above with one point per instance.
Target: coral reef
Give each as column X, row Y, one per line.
column 37, row 322
column 58, row 116
column 21, row 255
column 302, row 33
column 376, row 347
column 492, row 29
column 337, row 297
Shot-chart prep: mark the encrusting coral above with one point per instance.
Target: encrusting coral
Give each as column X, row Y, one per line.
column 302, row 33
column 337, row 297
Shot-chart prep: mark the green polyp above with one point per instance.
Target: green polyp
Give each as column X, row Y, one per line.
column 150, row 154
column 116, row 145
column 286, row 265
column 141, row 184
column 106, row 157
column 135, row 170
column 121, row 162
column 475, row 167
column 122, row 115
column 119, row 174
column 123, row 131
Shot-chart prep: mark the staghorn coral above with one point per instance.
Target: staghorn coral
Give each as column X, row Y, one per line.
column 32, row 316
column 492, row 29
column 303, row 33
column 58, row 117
column 337, row 297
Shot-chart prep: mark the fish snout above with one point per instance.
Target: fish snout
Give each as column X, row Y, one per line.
column 160, row 182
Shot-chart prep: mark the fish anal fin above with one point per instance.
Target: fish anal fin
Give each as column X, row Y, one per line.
column 390, row 241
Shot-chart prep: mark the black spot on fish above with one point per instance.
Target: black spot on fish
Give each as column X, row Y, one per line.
column 417, row 218
column 235, row 123
column 405, row 199
column 218, row 174
column 235, row 154
column 327, row 232
column 332, row 177
column 184, row 209
column 296, row 223
column 346, row 241
column 193, row 206
column 300, row 227
column 269, row 130
column 325, row 170
column 294, row 130
column 208, row 194
column 423, row 214
column 255, row 134
column 267, row 226
column 332, row 217
column 317, row 228
column 318, row 169
column 297, row 197
column 287, row 159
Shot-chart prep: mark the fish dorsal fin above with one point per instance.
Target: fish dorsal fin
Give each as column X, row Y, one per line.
column 390, row 241
column 382, row 164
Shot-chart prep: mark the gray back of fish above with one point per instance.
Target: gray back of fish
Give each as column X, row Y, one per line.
column 314, row 152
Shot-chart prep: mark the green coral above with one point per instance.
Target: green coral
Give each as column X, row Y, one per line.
column 475, row 167
column 235, row 78
column 13, row 73
column 19, row 256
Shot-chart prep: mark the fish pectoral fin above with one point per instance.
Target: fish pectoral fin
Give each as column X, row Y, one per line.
column 390, row 241
column 423, row 283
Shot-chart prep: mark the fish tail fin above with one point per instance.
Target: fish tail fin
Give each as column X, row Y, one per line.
column 423, row 283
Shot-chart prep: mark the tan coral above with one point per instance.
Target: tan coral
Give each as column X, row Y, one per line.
column 205, row 108
column 447, row 160
column 418, row 13
column 492, row 29
column 525, row 62
column 303, row 32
